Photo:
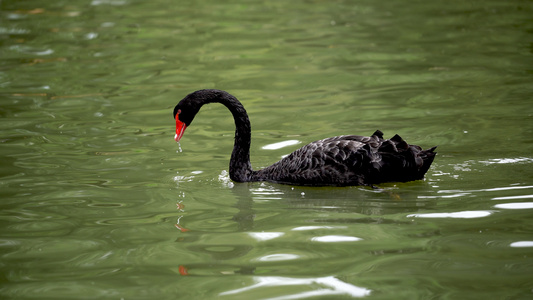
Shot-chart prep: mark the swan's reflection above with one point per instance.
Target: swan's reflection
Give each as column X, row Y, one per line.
column 251, row 247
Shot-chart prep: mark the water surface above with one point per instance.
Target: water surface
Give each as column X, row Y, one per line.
column 98, row 201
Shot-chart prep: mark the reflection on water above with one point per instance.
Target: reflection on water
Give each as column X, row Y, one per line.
column 508, row 160
column 332, row 286
column 335, row 238
column 521, row 205
column 280, row 145
column 265, row 236
column 98, row 200
column 456, row 215
column 521, row 244
column 286, row 247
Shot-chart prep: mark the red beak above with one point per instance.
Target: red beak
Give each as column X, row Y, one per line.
column 180, row 129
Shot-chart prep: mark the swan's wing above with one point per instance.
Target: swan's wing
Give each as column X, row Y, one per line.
column 351, row 160
column 342, row 160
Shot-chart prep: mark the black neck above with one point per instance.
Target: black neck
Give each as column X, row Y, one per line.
column 240, row 168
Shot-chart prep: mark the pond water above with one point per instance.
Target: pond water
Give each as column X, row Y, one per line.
column 98, row 201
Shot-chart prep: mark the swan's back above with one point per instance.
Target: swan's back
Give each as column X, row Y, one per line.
column 350, row 160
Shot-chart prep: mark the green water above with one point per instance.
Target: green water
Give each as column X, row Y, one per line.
column 97, row 201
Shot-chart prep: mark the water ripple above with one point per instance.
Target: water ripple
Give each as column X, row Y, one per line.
column 265, row 236
column 513, row 197
column 280, row 145
column 455, row 215
column 327, row 286
column 302, row 228
column 515, row 160
column 278, row 257
column 517, row 205
column 522, row 244
column 335, row 238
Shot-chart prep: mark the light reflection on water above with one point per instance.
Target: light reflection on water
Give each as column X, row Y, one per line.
column 521, row 244
column 521, row 205
column 335, row 238
column 329, row 286
column 280, row 145
column 264, row 236
column 455, row 215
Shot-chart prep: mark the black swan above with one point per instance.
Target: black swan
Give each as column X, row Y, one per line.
column 340, row 161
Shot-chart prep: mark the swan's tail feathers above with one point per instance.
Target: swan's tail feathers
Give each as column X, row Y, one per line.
column 396, row 138
column 427, row 157
column 399, row 142
column 378, row 133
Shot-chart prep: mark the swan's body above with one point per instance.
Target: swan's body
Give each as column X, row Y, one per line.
column 342, row 160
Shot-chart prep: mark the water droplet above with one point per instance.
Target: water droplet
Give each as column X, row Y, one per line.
column 179, row 148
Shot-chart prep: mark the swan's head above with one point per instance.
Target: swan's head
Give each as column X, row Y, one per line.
column 189, row 106
column 183, row 114
column 186, row 110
